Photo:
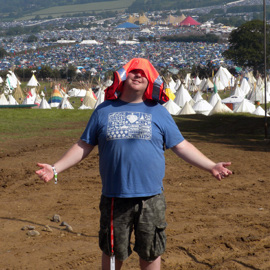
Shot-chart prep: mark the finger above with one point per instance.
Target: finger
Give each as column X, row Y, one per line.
column 41, row 165
column 226, row 164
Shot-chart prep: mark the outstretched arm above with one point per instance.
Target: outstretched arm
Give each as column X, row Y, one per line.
column 192, row 155
column 74, row 155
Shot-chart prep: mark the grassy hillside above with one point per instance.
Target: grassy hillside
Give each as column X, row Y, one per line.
column 31, row 8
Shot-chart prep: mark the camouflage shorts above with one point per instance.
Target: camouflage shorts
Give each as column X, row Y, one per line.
column 146, row 216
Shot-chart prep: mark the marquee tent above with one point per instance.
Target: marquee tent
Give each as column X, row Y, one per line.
column 189, row 21
column 128, row 25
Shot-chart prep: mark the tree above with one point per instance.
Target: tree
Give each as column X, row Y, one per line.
column 3, row 52
column 246, row 45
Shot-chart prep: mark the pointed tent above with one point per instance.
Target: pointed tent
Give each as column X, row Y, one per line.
column 172, row 85
column 33, row 82
column 259, row 111
column 202, row 107
column 245, row 107
column 65, row 104
column 214, row 99
column 12, row 100
column 197, row 96
column 245, row 86
column 44, row 104
column 197, row 81
column 143, row 19
column 177, row 85
column 56, row 98
column 100, row 96
column 18, row 94
column 172, row 107
column 3, row 100
column 206, row 85
column 189, row 21
column 259, row 94
column 220, row 108
column 238, row 92
column 225, row 77
column 30, row 98
column 182, row 96
column 132, row 19
column 89, row 100
column 187, row 109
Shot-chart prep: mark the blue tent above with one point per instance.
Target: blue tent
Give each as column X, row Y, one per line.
column 128, row 25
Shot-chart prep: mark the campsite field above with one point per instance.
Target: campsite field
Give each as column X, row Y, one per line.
column 211, row 224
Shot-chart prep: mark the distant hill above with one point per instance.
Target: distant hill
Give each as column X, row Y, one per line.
column 22, row 8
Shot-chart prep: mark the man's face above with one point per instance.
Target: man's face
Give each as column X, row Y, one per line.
column 136, row 80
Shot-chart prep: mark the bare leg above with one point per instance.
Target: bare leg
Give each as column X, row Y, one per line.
column 154, row 265
column 106, row 263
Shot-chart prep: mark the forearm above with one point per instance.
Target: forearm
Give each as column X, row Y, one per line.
column 73, row 156
column 193, row 156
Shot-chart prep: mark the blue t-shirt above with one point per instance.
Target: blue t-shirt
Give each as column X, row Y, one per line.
column 131, row 138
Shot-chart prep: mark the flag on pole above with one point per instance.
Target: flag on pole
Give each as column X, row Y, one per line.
column 215, row 88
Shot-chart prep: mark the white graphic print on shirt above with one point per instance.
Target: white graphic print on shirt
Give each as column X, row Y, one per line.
column 129, row 125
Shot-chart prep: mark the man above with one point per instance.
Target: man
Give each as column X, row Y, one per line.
column 131, row 130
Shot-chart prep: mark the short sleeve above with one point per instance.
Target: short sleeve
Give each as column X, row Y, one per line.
column 90, row 134
column 172, row 134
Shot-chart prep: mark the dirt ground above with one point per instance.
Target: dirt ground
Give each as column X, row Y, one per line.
column 211, row 224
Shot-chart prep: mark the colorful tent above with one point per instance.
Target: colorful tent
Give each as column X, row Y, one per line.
column 189, row 21
column 56, row 98
column 128, row 25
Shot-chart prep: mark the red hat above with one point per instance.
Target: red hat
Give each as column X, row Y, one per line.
column 155, row 89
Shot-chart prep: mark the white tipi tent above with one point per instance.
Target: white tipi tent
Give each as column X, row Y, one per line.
column 3, row 100
column 202, row 107
column 44, row 104
column 33, row 82
column 187, row 109
column 260, row 111
column 245, row 107
column 225, row 77
column 198, row 96
column 89, row 101
column 100, row 96
column 172, row 107
column 214, row 99
column 65, row 104
column 182, row 96
column 220, row 108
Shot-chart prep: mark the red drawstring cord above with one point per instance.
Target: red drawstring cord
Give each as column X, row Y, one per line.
column 112, row 240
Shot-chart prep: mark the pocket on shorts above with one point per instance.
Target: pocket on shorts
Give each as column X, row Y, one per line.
column 159, row 240
column 104, row 242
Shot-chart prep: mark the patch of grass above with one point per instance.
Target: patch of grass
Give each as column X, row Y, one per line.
column 27, row 123
column 70, row 9
column 236, row 130
column 241, row 130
